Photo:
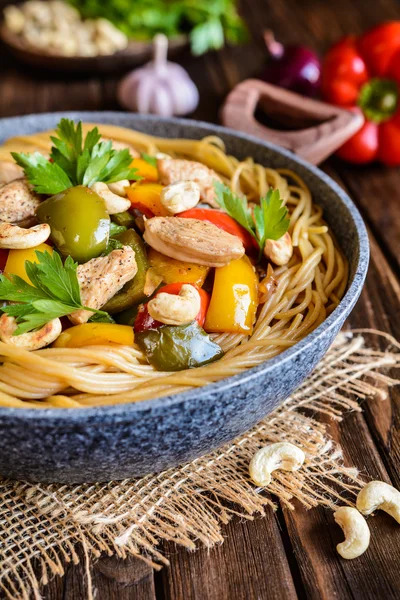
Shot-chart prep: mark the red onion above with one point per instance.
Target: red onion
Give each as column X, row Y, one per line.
column 296, row 68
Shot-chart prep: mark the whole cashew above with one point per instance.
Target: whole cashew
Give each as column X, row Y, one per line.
column 114, row 204
column 176, row 309
column 281, row 455
column 180, row 196
column 13, row 237
column 279, row 251
column 32, row 340
column 356, row 532
column 119, row 187
column 379, row 495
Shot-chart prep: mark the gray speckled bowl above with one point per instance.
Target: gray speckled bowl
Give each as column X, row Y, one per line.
column 114, row 442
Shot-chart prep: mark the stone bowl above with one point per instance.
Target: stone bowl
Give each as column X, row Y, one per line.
column 129, row 440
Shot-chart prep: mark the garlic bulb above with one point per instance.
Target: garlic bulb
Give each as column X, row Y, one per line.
column 160, row 87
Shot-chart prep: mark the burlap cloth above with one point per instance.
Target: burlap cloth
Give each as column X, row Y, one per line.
column 42, row 526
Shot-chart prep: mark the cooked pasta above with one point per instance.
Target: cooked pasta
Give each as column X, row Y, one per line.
column 294, row 298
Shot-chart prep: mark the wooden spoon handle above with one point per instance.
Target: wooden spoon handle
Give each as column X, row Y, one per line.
column 324, row 128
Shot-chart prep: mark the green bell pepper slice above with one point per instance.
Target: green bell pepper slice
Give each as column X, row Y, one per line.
column 133, row 291
column 178, row 347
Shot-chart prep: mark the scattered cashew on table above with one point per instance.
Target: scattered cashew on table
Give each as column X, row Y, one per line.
column 374, row 495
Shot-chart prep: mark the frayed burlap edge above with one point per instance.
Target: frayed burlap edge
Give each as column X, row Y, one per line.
column 42, row 526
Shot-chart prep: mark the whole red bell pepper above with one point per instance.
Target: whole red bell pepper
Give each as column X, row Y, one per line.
column 363, row 73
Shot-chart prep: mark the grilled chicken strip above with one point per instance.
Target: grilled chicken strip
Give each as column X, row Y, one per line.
column 17, row 201
column 192, row 240
column 101, row 278
column 172, row 170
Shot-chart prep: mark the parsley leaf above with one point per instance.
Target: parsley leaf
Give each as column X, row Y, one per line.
column 268, row 221
column 235, row 206
column 46, row 177
column 113, row 244
column 75, row 161
column 55, row 292
column 270, row 218
column 116, row 229
column 101, row 318
column 149, row 159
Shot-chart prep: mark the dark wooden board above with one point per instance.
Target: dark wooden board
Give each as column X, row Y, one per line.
column 288, row 554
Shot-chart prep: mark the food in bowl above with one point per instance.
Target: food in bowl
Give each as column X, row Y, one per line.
column 176, row 264
column 57, row 29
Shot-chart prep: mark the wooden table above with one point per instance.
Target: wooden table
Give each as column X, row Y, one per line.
column 285, row 555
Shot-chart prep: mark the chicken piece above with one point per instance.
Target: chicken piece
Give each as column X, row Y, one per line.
column 17, row 201
column 101, row 278
column 191, row 240
column 172, row 170
column 9, row 171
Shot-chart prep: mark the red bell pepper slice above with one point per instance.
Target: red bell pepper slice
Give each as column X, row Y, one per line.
column 3, row 259
column 145, row 321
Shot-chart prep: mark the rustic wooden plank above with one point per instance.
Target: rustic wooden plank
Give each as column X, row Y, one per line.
column 112, row 579
column 379, row 308
column 314, row 534
column 377, row 191
column 250, row 565
column 318, row 561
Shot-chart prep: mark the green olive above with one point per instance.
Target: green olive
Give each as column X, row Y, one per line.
column 79, row 222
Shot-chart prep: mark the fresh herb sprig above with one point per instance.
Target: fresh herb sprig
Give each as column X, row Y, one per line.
column 54, row 292
column 267, row 221
column 75, row 161
column 209, row 23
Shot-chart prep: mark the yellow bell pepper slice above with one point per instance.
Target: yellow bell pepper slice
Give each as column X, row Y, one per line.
column 15, row 264
column 234, row 298
column 146, row 198
column 176, row 271
column 95, row 334
column 144, row 169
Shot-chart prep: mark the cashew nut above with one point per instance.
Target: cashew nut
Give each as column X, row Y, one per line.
column 356, row 532
column 32, row 340
column 176, row 309
column 281, row 455
column 13, row 237
column 180, row 196
column 114, row 204
column 119, row 187
column 379, row 495
column 279, row 251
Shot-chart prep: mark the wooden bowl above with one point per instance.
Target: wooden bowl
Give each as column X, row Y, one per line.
column 136, row 53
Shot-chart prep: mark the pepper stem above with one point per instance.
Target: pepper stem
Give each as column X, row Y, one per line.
column 378, row 99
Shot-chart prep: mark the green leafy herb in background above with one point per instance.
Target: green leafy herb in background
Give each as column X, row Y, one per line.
column 54, row 293
column 75, row 161
column 209, row 23
column 267, row 221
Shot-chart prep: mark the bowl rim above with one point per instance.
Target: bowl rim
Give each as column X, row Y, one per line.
column 343, row 309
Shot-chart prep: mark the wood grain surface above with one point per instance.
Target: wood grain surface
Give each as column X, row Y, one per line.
column 287, row 554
